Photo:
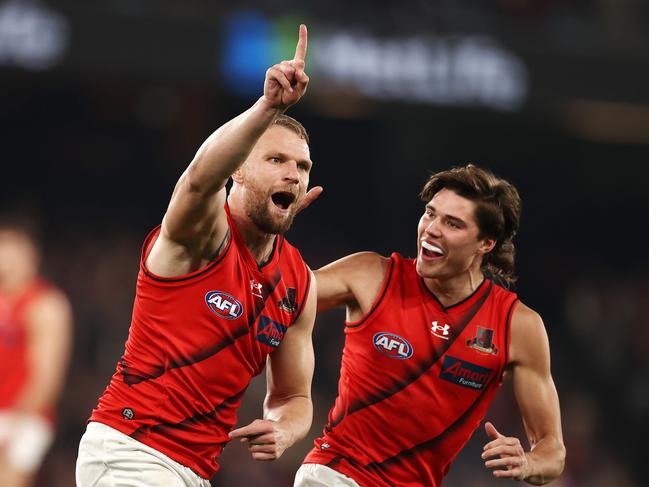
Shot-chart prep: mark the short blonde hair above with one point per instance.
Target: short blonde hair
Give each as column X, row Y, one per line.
column 293, row 125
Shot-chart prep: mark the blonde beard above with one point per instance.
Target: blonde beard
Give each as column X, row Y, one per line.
column 259, row 213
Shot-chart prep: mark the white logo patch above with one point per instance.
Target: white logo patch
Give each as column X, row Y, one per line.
column 440, row 331
column 256, row 288
column 224, row 305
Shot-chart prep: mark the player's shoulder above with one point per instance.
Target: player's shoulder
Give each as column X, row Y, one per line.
column 42, row 291
column 355, row 270
column 368, row 258
column 528, row 335
column 360, row 262
column 525, row 317
column 49, row 304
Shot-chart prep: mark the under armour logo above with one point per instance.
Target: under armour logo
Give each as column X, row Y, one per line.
column 256, row 288
column 440, row 331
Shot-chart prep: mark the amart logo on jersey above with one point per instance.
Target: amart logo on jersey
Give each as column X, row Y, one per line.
column 464, row 373
column 270, row 332
column 224, row 305
column 392, row 345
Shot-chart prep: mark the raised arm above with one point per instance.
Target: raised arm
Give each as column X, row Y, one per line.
column 539, row 406
column 288, row 410
column 195, row 224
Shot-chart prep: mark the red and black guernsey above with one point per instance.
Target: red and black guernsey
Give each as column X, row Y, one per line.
column 194, row 344
column 415, row 382
column 14, row 343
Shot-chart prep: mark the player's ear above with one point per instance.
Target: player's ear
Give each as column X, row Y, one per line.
column 237, row 176
column 486, row 245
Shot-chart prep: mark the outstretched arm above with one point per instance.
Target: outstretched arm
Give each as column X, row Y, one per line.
column 195, row 224
column 353, row 281
column 539, row 406
column 288, row 410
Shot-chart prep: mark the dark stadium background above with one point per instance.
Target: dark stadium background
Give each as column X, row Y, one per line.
column 104, row 103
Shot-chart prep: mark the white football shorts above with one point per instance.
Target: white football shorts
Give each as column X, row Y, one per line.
column 108, row 458
column 316, row 475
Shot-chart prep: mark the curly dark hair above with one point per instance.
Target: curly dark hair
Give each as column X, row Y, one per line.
column 498, row 212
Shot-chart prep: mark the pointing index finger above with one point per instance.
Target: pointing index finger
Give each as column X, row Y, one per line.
column 300, row 49
column 253, row 429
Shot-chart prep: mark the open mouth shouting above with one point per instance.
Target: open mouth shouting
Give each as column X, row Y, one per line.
column 430, row 251
column 283, row 200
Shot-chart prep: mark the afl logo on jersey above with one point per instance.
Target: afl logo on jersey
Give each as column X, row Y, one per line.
column 392, row 345
column 223, row 305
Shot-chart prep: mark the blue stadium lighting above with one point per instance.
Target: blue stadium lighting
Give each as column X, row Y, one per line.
column 247, row 52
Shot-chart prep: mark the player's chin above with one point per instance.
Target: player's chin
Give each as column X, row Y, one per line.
column 283, row 218
column 282, row 223
column 427, row 269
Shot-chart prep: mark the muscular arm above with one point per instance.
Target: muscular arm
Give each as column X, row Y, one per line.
column 288, row 410
column 538, row 402
column 289, row 374
column 50, row 340
column 537, row 396
column 195, row 220
column 195, row 223
column 353, row 281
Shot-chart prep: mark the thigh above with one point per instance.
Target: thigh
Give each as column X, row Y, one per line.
column 107, row 460
column 90, row 466
column 316, row 475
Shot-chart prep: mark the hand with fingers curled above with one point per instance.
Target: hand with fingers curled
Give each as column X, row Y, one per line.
column 505, row 455
column 266, row 439
column 286, row 82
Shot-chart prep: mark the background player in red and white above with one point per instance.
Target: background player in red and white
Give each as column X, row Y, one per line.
column 35, row 343
column 428, row 342
column 220, row 292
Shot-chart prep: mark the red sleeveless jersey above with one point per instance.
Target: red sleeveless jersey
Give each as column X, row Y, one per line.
column 194, row 344
column 415, row 382
column 14, row 344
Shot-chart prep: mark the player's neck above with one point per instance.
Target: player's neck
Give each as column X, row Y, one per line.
column 450, row 291
column 258, row 242
column 16, row 285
